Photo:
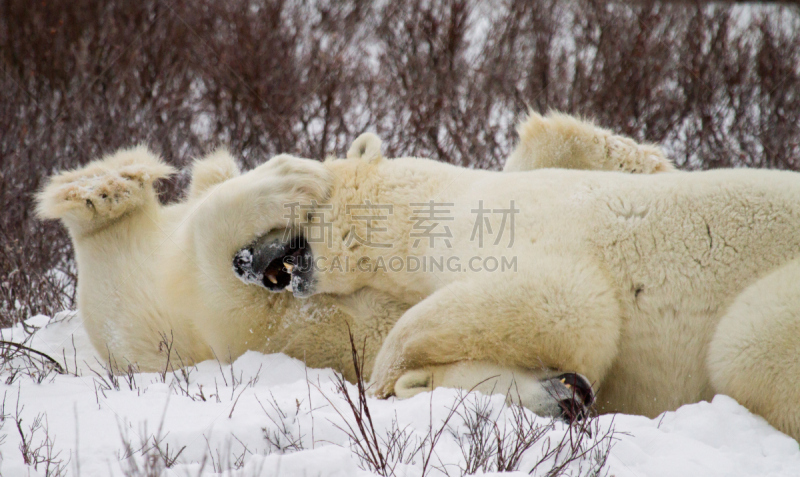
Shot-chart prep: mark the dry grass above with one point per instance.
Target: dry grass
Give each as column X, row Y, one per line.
column 36, row 444
column 488, row 442
column 491, row 438
column 441, row 78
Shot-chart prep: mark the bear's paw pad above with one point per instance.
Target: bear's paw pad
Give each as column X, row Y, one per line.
column 109, row 194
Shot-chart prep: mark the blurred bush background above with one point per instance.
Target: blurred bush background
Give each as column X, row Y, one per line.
column 717, row 84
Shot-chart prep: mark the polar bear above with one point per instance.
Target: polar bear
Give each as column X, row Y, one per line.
column 660, row 289
column 155, row 283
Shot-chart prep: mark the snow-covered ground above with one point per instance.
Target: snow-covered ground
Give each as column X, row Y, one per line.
column 270, row 415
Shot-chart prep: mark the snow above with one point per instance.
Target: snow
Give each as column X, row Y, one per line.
column 88, row 422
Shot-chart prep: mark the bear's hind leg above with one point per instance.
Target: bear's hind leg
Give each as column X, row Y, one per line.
column 754, row 356
column 562, row 141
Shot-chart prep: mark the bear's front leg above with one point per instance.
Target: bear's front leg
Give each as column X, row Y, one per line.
column 89, row 198
column 559, row 316
column 242, row 208
column 544, row 391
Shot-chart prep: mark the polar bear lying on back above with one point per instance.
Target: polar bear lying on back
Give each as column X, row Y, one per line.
column 660, row 289
column 155, row 282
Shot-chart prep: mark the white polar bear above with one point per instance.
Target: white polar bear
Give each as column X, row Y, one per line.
column 661, row 289
column 155, row 282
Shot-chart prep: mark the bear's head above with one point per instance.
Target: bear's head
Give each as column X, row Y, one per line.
column 322, row 250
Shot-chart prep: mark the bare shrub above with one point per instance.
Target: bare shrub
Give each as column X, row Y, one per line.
column 717, row 84
column 17, row 360
column 38, row 452
column 488, row 442
column 492, row 444
column 371, row 450
column 489, row 446
column 286, row 435
column 382, row 452
column 109, row 379
column 227, row 460
column 150, row 456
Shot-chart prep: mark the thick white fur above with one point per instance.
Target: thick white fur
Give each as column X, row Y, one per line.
column 661, row 289
column 521, row 386
column 150, row 273
column 155, row 282
column 567, row 142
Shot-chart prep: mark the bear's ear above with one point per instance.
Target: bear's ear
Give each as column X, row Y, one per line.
column 366, row 147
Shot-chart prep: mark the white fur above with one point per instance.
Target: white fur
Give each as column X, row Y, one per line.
column 638, row 282
column 526, row 387
column 565, row 142
column 155, row 282
column 366, row 147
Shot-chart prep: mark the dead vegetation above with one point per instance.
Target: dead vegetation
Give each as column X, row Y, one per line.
column 149, row 455
column 718, row 84
column 36, row 444
column 491, row 437
column 18, row 359
column 489, row 441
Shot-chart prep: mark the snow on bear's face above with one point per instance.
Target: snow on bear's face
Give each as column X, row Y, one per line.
column 280, row 260
column 326, row 251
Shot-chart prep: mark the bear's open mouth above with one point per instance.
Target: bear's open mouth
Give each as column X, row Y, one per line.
column 275, row 264
column 278, row 273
